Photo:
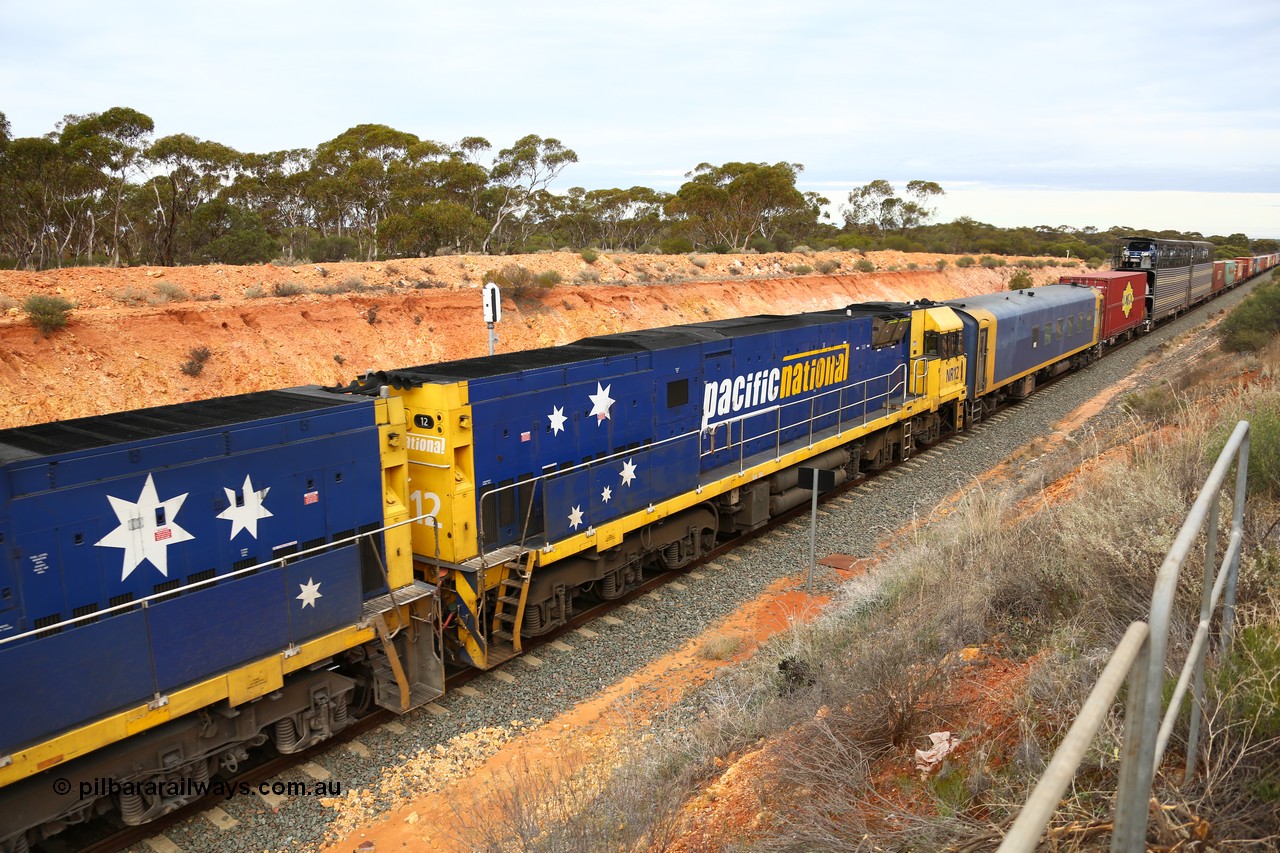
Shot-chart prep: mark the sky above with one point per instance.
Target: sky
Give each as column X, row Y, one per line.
column 1152, row 114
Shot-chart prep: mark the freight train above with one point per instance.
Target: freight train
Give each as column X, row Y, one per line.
column 184, row 583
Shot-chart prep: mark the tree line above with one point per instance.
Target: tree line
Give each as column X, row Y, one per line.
column 99, row 189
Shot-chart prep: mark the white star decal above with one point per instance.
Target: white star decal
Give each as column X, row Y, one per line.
column 557, row 419
column 310, row 592
column 141, row 535
column 606, row 494
column 575, row 517
column 245, row 516
column 628, row 472
column 600, row 403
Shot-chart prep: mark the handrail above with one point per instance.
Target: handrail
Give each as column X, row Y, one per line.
column 1141, row 657
column 896, row 387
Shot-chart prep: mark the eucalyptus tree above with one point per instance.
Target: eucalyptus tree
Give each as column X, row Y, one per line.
column 876, row 208
column 355, row 175
column 273, row 186
column 112, row 142
column 728, row 205
column 188, row 172
column 518, row 174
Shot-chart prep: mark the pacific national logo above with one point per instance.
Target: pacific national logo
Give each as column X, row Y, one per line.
column 425, row 443
column 800, row 373
column 1127, row 303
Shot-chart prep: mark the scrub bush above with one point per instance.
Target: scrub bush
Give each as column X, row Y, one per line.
column 47, row 313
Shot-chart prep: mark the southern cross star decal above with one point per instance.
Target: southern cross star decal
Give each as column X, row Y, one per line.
column 601, row 402
column 575, row 517
column 146, row 529
column 606, row 494
column 246, row 515
column 628, row 472
column 310, row 592
column 557, row 419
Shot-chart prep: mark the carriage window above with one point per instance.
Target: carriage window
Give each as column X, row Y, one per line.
column 1048, row 334
column 1035, row 336
column 1059, row 329
column 930, row 343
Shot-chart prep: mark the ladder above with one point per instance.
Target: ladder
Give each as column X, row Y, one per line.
column 508, row 615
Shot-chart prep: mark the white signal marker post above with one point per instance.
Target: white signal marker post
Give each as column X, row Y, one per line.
column 817, row 480
column 492, row 311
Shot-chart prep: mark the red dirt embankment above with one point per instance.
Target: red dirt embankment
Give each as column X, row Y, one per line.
column 133, row 329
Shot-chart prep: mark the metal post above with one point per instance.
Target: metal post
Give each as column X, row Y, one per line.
column 813, row 532
column 1206, row 603
column 493, row 337
column 1237, row 527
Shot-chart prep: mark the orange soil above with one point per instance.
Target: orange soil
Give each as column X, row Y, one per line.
column 114, row 356
column 588, row 731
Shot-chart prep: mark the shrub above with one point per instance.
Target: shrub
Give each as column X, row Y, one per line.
column 47, row 313
column 800, row 269
column 350, row 284
column 1026, row 264
column 965, row 262
column 550, row 278
column 865, row 265
column 1262, row 411
column 589, row 255
column 587, row 277
column 1019, row 280
column 1154, row 405
column 168, row 292
column 802, row 250
column 515, row 278
column 676, row 246
column 131, row 296
column 913, row 266
column 194, row 365
column 989, row 262
column 1254, row 322
column 255, row 292
column 827, row 266
column 940, row 264
column 288, row 288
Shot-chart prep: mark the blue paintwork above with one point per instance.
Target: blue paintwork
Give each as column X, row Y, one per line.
column 514, row 439
column 322, row 472
column 1017, row 314
column 126, row 659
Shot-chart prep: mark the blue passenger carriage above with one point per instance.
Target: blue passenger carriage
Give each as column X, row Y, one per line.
column 1016, row 336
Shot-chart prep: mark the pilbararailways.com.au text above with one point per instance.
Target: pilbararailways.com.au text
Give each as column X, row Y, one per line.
column 194, row 788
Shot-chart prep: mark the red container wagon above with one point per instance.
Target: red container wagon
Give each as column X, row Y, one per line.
column 1244, row 269
column 1124, row 301
column 1219, row 275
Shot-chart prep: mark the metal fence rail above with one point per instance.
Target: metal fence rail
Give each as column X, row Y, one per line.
column 1140, row 657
